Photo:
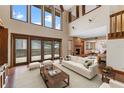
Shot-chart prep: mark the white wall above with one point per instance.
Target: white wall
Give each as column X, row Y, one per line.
column 99, row 25
column 15, row 26
column 115, row 54
column 115, row 47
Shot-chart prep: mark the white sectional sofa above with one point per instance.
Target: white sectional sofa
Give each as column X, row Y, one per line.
column 112, row 84
column 77, row 64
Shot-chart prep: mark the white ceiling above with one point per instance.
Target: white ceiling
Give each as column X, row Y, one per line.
column 96, row 32
column 82, row 27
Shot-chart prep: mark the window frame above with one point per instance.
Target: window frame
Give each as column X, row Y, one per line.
column 31, row 39
column 41, row 16
column 60, row 42
column 11, row 17
column 61, row 28
column 52, row 17
column 52, row 52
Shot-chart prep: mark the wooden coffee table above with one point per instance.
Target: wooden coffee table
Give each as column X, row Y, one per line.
column 50, row 81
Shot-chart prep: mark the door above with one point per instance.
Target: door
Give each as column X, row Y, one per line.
column 47, row 50
column 21, row 51
column 35, row 50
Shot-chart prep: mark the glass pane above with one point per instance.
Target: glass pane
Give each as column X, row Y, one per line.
column 35, row 50
column 57, row 22
column 113, row 24
column 19, row 12
column 122, row 22
column 118, row 27
column 36, row 15
column 57, row 49
column 48, row 19
column 47, row 49
column 21, row 51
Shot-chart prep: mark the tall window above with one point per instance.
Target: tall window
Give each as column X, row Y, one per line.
column 58, row 20
column 35, row 50
column 20, row 51
column 19, row 12
column 56, row 49
column 47, row 49
column 48, row 16
column 36, row 14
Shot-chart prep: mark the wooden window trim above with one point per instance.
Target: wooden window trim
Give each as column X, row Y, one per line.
column 18, row 19
column 77, row 11
column 14, row 42
column 83, row 10
column 29, row 38
column 35, row 38
column 69, row 17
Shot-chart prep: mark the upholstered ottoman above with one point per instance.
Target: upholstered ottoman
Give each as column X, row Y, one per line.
column 34, row 65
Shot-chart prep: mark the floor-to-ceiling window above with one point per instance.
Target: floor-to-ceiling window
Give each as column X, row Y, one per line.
column 35, row 50
column 47, row 49
column 20, row 51
column 28, row 49
column 57, row 46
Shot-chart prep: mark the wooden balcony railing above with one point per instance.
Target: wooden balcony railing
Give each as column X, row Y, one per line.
column 116, row 25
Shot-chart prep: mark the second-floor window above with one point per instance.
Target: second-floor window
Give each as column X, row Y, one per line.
column 48, row 17
column 19, row 12
column 58, row 20
column 36, row 14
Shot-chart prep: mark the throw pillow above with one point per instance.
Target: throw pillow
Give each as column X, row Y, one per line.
column 67, row 58
column 87, row 63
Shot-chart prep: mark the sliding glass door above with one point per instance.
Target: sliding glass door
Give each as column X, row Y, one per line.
column 20, row 51
column 47, row 49
column 35, row 50
column 27, row 49
column 57, row 49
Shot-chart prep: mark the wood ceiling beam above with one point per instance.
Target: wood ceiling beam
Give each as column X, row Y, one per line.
column 83, row 10
column 69, row 17
column 77, row 11
column 62, row 8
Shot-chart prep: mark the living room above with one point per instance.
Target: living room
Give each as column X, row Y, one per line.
column 42, row 45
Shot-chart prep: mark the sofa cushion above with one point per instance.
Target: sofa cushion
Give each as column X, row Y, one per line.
column 74, row 58
column 81, row 60
column 76, row 65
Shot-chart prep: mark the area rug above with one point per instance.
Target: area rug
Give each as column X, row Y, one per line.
column 32, row 79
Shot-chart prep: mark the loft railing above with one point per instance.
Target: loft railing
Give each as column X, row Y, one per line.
column 83, row 11
column 116, row 25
